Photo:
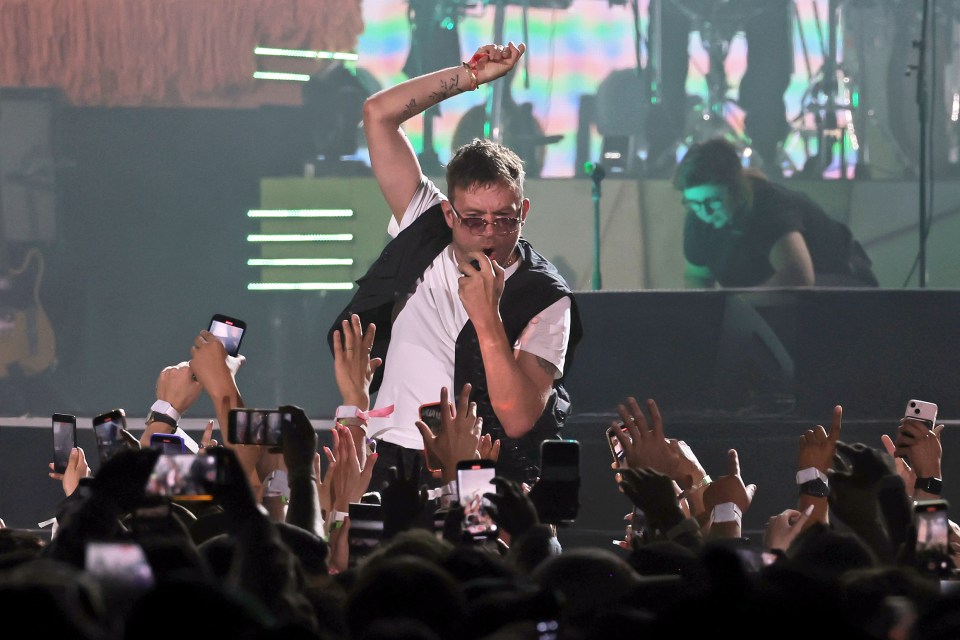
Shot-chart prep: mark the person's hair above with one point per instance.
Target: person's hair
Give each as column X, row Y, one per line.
column 484, row 163
column 715, row 161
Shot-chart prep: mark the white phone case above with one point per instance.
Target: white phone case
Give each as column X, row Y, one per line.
column 921, row 410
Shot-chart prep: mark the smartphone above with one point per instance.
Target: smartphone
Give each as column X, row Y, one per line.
column 366, row 528
column 256, row 426
column 430, row 415
column 558, row 488
column 933, row 526
column 106, row 431
column 925, row 412
column 64, row 440
column 616, row 449
column 184, row 477
column 473, row 480
column 168, row 443
column 229, row 331
column 118, row 563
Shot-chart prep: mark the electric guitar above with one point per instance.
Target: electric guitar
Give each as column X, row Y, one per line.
column 27, row 343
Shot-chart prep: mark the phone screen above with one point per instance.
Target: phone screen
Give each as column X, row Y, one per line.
column 118, row 562
column 366, row 528
column 616, row 449
column 106, row 431
column 183, row 476
column 64, row 440
column 473, row 480
column 430, row 415
column 168, row 443
column 256, row 426
column 933, row 528
column 229, row 331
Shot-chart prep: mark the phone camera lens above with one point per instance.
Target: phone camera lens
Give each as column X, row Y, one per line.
column 916, row 411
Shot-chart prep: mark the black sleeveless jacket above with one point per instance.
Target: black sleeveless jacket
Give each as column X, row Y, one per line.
column 532, row 288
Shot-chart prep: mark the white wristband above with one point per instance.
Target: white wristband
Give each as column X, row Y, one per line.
column 811, row 473
column 164, row 407
column 726, row 512
column 339, row 516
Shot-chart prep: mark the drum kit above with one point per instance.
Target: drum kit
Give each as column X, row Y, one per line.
column 860, row 105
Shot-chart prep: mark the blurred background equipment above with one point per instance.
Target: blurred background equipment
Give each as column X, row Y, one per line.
column 333, row 106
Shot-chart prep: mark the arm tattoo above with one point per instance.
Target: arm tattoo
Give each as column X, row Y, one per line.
column 409, row 110
column 547, row 366
column 448, row 88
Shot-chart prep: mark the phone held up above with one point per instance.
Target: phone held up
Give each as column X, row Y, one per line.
column 430, row 415
column 106, row 431
column 933, row 531
column 64, row 440
column 616, row 449
column 473, row 480
column 558, row 489
column 229, row 331
column 257, row 426
column 925, row 412
column 168, row 443
column 184, row 477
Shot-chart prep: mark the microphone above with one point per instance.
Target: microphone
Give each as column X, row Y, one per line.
column 595, row 171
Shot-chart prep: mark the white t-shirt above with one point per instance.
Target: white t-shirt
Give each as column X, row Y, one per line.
column 420, row 356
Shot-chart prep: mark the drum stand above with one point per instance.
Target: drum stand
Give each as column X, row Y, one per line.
column 825, row 102
column 709, row 119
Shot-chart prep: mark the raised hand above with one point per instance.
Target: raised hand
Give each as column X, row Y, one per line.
column 646, row 446
column 459, row 436
column 730, row 488
column 921, row 446
column 351, row 478
column 783, row 528
column 511, row 507
column 494, row 61
column 817, row 447
column 402, row 497
column 77, row 468
column 352, row 365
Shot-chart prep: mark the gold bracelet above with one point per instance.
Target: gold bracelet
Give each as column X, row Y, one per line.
column 474, row 81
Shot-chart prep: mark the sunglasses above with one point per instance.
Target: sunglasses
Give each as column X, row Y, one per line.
column 502, row 226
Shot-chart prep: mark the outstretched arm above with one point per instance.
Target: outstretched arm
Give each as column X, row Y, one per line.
column 393, row 159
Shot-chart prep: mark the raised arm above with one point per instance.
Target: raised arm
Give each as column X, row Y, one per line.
column 393, row 159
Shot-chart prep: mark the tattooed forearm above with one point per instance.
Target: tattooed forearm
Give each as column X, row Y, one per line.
column 410, row 110
column 448, row 88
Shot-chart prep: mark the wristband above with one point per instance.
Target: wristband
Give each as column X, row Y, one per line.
column 350, row 411
column 811, row 473
column 163, row 411
column 726, row 512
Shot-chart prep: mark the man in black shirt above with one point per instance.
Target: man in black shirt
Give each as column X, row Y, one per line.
column 742, row 230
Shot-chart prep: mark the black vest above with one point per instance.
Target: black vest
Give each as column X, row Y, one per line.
column 532, row 288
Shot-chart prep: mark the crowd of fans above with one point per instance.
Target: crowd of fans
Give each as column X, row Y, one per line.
column 845, row 561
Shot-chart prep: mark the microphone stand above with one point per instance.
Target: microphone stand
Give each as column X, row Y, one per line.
column 921, row 69
column 596, row 173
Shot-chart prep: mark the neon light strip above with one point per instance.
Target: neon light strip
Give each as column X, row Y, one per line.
column 300, row 213
column 299, row 262
column 305, row 53
column 276, row 75
column 299, row 286
column 300, row 237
